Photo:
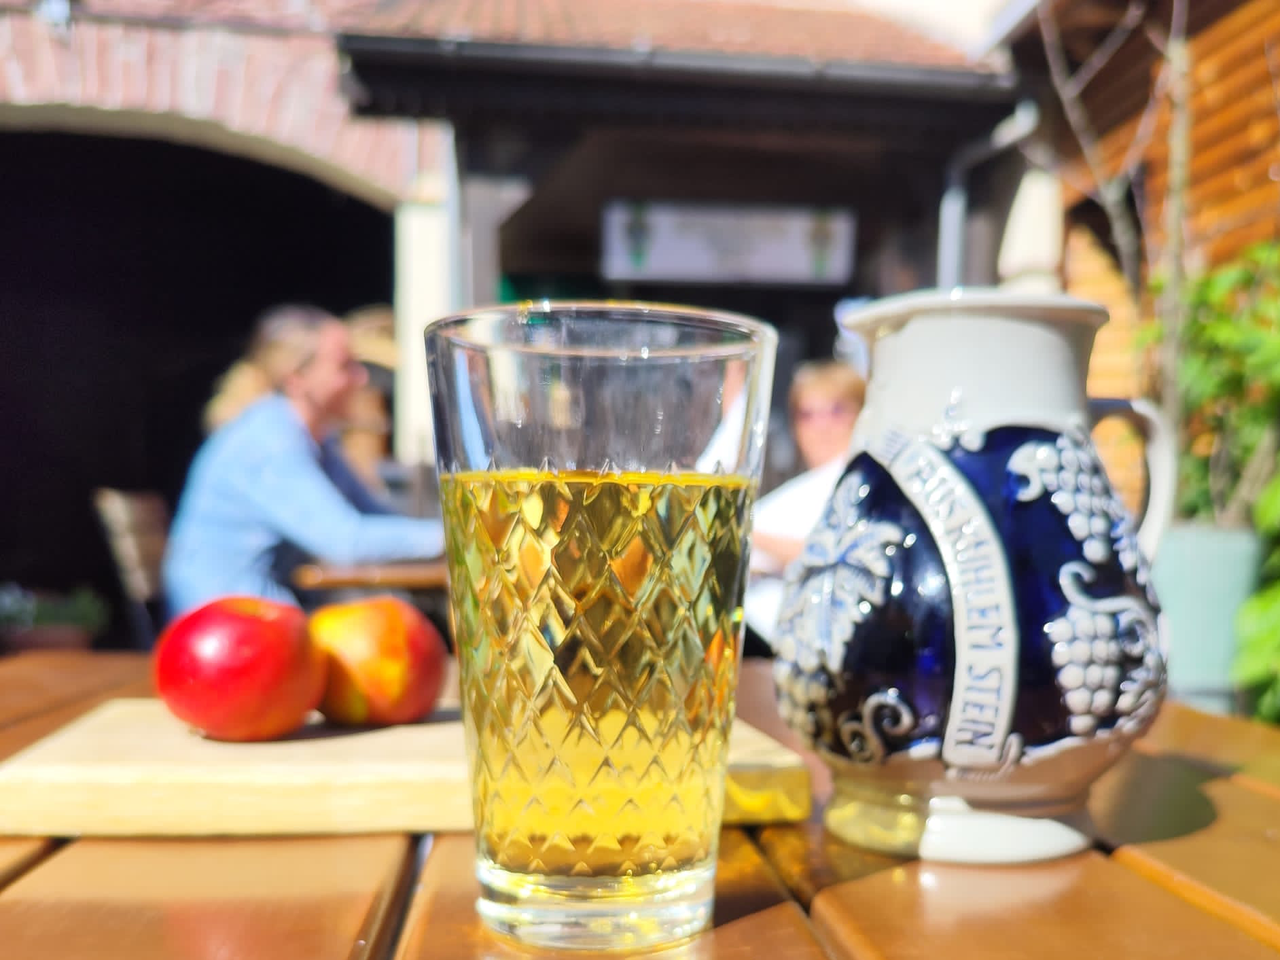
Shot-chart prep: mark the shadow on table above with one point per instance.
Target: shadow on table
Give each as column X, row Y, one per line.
column 323, row 730
column 809, row 858
column 1148, row 798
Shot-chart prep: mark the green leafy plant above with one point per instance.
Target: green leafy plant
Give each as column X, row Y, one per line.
column 1229, row 380
column 22, row 609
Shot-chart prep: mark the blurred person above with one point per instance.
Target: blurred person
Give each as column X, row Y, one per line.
column 825, row 400
column 364, row 434
column 269, row 488
column 367, row 430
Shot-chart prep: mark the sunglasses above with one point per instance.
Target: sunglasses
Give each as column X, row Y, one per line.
column 826, row 411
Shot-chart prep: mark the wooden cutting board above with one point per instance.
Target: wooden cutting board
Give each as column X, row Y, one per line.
column 128, row 768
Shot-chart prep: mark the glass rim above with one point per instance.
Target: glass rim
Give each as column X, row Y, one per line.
column 755, row 335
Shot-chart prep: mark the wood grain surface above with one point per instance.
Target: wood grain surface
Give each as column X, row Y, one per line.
column 809, row 859
column 322, row 899
column 33, row 683
column 426, row 575
column 17, row 854
column 758, row 705
column 1192, row 815
column 131, row 769
column 20, row 735
column 1227, row 742
column 754, row 917
column 1198, row 833
column 1069, row 909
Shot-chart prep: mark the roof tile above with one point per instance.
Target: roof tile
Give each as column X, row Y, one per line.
column 815, row 30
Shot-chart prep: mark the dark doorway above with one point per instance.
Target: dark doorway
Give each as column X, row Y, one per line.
column 130, row 273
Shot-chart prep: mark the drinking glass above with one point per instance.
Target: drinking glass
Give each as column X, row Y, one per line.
column 598, row 463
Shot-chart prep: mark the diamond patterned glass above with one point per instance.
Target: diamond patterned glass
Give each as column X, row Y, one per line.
column 598, row 464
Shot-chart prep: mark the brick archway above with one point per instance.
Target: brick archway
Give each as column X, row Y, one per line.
column 269, row 96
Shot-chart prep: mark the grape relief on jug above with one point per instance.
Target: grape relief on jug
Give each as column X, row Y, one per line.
column 974, row 604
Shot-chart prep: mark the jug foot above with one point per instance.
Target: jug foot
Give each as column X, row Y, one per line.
column 950, row 830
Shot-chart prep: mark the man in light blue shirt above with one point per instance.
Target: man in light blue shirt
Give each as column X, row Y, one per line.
column 269, row 488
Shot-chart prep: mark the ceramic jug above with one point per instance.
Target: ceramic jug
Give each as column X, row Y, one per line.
column 970, row 636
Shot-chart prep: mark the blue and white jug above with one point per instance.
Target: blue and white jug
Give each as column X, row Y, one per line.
column 970, row 637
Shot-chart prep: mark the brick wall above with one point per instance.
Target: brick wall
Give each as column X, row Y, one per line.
column 270, row 95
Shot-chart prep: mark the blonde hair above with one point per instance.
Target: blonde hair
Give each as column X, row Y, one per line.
column 831, row 378
column 284, row 341
column 365, row 438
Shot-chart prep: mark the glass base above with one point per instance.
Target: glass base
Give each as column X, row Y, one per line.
column 596, row 913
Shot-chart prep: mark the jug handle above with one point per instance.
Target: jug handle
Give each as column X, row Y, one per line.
column 1162, row 463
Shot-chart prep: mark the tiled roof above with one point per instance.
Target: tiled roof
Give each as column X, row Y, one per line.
column 292, row 15
column 816, row 30
column 813, row 30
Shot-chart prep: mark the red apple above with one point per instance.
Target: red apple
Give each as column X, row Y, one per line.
column 386, row 661
column 240, row 668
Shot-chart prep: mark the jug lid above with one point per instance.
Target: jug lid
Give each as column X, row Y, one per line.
column 984, row 301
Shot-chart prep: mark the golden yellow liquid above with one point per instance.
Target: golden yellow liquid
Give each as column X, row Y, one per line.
column 598, row 622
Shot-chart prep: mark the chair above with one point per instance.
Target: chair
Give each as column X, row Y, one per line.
column 137, row 527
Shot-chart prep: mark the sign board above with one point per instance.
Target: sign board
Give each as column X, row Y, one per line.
column 723, row 243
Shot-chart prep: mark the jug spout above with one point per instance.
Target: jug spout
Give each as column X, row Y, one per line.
column 956, row 364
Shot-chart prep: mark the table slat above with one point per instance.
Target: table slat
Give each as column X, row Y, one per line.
column 1083, row 906
column 35, row 682
column 754, row 917
column 1197, row 833
column 809, row 859
column 19, row 735
column 19, row 853
column 758, row 705
column 427, row 575
column 323, row 899
column 1229, row 742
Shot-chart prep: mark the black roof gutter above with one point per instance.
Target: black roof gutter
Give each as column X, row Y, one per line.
column 711, row 69
column 544, row 87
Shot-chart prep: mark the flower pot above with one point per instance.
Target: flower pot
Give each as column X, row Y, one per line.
column 1203, row 574
column 54, row 636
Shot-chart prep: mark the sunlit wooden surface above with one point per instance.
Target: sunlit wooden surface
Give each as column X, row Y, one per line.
column 427, row 575
column 1199, row 834
column 1188, row 825
column 321, row 898
column 754, row 915
column 1084, row 906
column 36, row 682
column 17, row 854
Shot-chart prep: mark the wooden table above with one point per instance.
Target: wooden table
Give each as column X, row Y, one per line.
column 1186, row 867
column 424, row 575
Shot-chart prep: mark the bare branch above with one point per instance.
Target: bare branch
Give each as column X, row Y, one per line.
column 1111, row 188
column 1219, row 471
column 1039, row 155
column 1175, row 72
column 1147, row 122
column 1177, row 28
column 1159, row 39
column 1178, row 18
column 1151, row 254
column 1254, row 476
column 1273, row 68
column 1133, row 15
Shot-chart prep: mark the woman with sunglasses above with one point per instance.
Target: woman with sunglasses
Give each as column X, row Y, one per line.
column 825, row 400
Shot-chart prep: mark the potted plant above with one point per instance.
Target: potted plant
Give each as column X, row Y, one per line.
column 1229, row 387
column 42, row 621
